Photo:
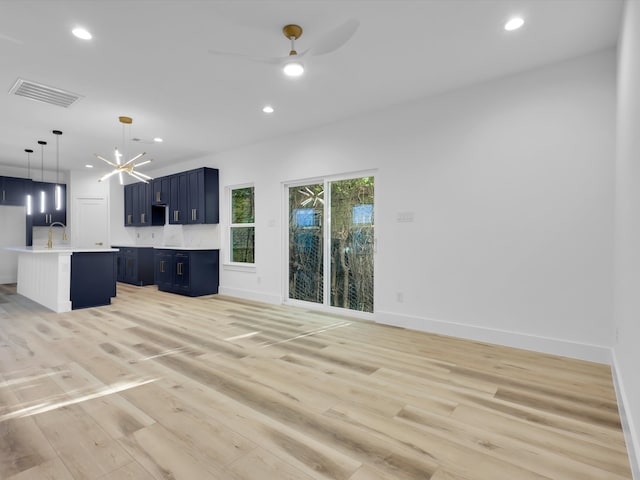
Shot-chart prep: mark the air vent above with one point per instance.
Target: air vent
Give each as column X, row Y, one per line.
column 43, row 93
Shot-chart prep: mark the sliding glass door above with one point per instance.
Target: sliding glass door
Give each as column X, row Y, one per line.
column 331, row 243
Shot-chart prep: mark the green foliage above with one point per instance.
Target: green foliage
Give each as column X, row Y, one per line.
column 242, row 205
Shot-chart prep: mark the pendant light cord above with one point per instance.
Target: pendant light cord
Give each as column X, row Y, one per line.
column 42, row 143
column 57, row 133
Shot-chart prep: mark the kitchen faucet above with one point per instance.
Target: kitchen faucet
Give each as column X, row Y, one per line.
column 64, row 233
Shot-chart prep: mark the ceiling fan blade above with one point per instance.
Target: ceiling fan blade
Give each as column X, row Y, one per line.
column 250, row 58
column 334, row 39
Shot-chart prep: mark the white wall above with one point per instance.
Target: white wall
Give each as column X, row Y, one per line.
column 627, row 230
column 511, row 186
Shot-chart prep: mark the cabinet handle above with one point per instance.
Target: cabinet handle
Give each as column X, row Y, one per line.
column 180, row 268
column 161, row 266
column 142, row 218
column 193, row 214
column 157, row 196
column 4, row 195
column 176, row 213
column 99, row 244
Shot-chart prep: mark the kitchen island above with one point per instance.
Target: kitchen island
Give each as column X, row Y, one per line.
column 65, row 279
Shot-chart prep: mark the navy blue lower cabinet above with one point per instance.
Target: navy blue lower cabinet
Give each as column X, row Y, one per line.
column 92, row 279
column 135, row 265
column 187, row 272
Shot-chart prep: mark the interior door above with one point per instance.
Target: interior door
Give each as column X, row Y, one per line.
column 91, row 222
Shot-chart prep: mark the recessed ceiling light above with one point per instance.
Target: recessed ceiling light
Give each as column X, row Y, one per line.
column 158, row 140
column 513, row 24
column 268, row 109
column 81, row 33
column 88, row 165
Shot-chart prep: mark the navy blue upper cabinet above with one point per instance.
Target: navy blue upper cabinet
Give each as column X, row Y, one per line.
column 160, row 191
column 138, row 209
column 178, row 198
column 48, row 204
column 128, row 205
column 202, row 196
column 189, row 197
column 14, row 190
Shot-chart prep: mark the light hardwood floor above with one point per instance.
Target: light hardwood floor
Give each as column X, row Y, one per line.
column 160, row 386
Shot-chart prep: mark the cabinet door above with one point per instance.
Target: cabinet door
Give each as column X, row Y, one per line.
column 14, row 191
column 119, row 266
column 128, row 205
column 181, row 271
column 163, row 269
column 130, row 267
column 178, row 199
column 144, row 204
column 195, row 196
column 160, row 191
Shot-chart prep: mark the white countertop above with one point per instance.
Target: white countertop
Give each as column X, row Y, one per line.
column 163, row 247
column 59, row 250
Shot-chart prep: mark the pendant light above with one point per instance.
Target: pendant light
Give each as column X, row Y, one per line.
column 58, row 192
column 130, row 165
column 43, row 199
column 29, row 152
column 42, row 143
column 29, row 204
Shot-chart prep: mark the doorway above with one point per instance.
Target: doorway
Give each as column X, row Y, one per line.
column 331, row 243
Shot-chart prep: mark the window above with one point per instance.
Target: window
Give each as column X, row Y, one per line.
column 242, row 225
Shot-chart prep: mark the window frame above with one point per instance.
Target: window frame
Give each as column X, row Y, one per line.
column 230, row 264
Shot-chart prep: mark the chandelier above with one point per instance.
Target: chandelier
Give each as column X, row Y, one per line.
column 129, row 166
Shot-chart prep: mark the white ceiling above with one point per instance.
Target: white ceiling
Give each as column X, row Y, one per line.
column 149, row 60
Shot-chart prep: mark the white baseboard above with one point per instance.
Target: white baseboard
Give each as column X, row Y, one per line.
column 251, row 295
column 554, row 346
column 631, row 439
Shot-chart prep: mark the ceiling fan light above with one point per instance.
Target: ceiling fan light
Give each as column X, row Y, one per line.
column 293, row 69
column 82, row 33
column 513, row 24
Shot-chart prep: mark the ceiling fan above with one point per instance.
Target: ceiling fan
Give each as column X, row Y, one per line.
column 292, row 64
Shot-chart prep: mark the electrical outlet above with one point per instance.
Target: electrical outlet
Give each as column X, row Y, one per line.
column 399, row 297
column 617, row 335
